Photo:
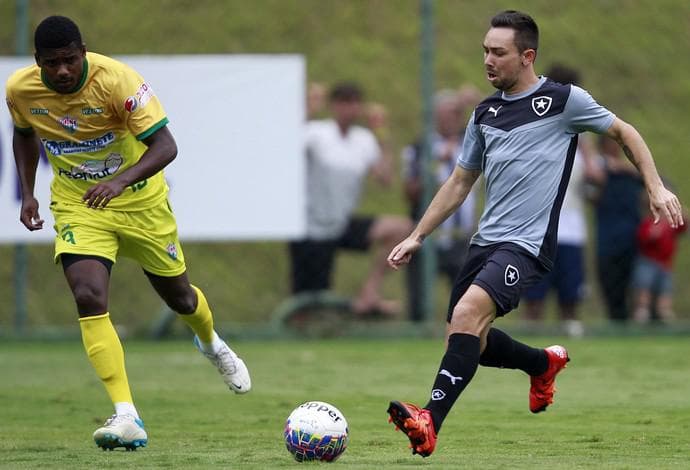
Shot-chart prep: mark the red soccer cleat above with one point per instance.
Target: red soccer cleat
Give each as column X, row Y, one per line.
column 416, row 423
column 543, row 386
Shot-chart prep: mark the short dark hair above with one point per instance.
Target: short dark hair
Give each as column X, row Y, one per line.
column 346, row 91
column 563, row 74
column 526, row 30
column 56, row 32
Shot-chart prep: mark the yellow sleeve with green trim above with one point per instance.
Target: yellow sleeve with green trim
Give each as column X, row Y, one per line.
column 137, row 104
column 20, row 123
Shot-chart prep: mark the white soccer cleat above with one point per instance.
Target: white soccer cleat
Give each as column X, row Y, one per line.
column 121, row 431
column 231, row 367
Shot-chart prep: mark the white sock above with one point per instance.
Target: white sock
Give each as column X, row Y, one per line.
column 124, row 408
column 214, row 346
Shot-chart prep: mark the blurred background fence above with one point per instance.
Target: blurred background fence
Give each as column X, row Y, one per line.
column 632, row 55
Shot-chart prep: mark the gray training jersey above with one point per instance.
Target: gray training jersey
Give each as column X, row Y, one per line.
column 525, row 145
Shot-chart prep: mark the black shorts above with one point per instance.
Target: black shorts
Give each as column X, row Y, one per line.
column 312, row 260
column 503, row 270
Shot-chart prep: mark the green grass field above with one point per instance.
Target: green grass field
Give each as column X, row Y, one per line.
column 622, row 403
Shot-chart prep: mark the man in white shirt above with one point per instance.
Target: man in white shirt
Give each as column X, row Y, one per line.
column 340, row 154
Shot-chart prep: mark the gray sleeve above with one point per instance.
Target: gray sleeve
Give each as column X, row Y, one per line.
column 472, row 147
column 583, row 113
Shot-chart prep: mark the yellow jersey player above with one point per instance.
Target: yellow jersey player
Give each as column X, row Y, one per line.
column 105, row 134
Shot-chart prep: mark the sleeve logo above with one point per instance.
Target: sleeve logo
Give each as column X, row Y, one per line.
column 131, row 104
column 144, row 94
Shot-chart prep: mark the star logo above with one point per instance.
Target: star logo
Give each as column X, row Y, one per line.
column 541, row 105
column 437, row 394
column 512, row 275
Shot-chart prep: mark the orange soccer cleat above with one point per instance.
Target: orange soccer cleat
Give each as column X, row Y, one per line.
column 416, row 423
column 543, row 386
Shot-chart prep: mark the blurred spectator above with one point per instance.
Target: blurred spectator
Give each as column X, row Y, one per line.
column 339, row 155
column 652, row 279
column 567, row 277
column 451, row 110
column 377, row 121
column 617, row 211
column 316, row 99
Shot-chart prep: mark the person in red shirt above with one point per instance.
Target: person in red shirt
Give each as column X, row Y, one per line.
column 653, row 270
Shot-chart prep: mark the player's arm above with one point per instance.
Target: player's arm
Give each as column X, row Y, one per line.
column 661, row 201
column 450, row 195
column 161, row 150
column 26, row 155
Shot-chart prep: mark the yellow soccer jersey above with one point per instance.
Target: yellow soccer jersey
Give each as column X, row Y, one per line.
column 95, row 132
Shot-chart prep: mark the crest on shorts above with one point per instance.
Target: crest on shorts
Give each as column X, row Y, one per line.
column 541, row 105
column 172, row 251
column 512, row 275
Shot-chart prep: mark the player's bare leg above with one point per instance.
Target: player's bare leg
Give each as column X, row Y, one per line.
column 471, row 319
column 88, row 278
column 190, row 303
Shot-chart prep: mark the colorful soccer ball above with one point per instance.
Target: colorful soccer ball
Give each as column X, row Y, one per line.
column 316, row 431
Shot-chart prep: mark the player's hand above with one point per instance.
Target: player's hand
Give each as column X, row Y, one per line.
column 99, row 195
column 664, row 203
column 403, row 252
column 29, row 214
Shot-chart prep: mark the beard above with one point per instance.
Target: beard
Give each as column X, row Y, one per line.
column 504, row 84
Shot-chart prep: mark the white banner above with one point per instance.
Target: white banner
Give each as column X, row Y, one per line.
column 237, row 120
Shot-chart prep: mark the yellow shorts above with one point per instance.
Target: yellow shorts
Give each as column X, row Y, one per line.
column 148, row 236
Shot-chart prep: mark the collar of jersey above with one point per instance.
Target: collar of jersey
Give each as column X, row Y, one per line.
column 84, row 74
column 527, row 92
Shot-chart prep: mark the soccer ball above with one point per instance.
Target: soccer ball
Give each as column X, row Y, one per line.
column 316, row 430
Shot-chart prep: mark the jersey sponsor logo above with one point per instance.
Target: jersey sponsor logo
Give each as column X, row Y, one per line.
column 67, row 147
column 39, row 111
column 512, row 275
column 94, row 169
column 68, row 123
column 90, row 111
column 131, row 104
column 494, row 110
column 144, row 94
column 437, row 394
column 541, row 105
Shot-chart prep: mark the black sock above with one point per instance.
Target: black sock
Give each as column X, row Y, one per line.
column 457, row 369
column 503, row 351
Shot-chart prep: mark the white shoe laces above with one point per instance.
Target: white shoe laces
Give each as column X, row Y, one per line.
column 116, row 419
column 225, row 361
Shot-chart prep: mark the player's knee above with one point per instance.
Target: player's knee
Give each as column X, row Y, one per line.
column 468, row 318
column 90, row 299
column 183, row 303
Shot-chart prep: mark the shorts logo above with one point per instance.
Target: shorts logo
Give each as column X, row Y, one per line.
column 172, row 251
column 541, row 105
column 67, row 235
column 512, row 275
column 68, row 123
column 131, row 104
column 437, row 394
